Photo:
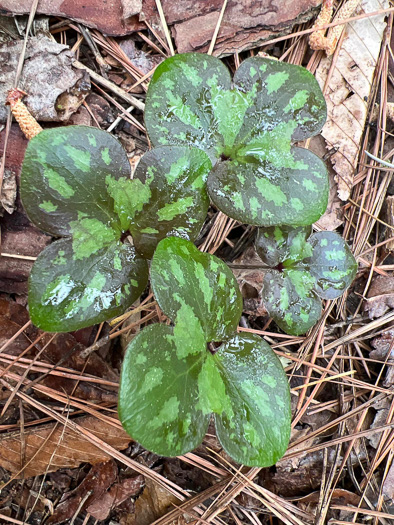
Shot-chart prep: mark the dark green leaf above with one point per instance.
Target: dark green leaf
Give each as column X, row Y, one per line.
column 183, row 277
column 183, row 99
column 331, row 263
column 159, row 390
column 291, row 301
column 175, row 180
column 170, row 385
column 271, row 185
column 281, row 244
column 283, row 93
column 63, row 181
column 250, row 396
column 301, row 270
column 67, row 293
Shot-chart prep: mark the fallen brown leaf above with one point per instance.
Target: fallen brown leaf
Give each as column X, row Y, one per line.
column 117, row 494
column 348, row 90
column 47, row 73
column 100, row 477
column 60, row 448
column 380, row 296
column 153, row 503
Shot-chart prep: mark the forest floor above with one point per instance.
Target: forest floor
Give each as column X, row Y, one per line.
column 64, row 457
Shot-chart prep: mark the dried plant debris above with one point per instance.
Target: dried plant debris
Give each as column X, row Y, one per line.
column 250, row 282
column 50, row 447
column 349, row 88
column 8, row 192
column 47, row 74
column 380, row 296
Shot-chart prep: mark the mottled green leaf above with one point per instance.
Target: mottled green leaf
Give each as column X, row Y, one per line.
column 331, row 263
column 251, row 401
column 248, row 128
column 182, row 276
column 63, row 179
column 129, row 198
column 167, row 395
column 280, row 244
column 291, row 301
column 66, row 293
column 284, row 93
column 269, row 186
column 302, row 270
column 175, row 179
column 158, row 397
column 179, row 106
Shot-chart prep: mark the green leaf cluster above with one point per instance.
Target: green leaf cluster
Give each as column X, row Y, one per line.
column 305, row 268
column 75, row 183
column 247, row 127
column 229, row 141
column 172, row 381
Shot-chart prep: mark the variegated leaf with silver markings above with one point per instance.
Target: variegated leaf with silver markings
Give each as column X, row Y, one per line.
column 303, row 270
column 175, row 178
column 247, row 128
column 184, row 278
column 67, row 293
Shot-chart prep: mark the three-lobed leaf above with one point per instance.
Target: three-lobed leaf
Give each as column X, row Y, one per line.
column 171, row 383
column 247, row 127
column 76, row 183
column 303, row 270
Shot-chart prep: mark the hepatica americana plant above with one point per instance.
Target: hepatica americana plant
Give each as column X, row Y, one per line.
column 228, row 141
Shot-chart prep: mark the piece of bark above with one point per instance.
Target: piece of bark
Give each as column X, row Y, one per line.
column 63, row 449
column 18, row 235
column 245, row 24
column 117, row 17
column 47, row 73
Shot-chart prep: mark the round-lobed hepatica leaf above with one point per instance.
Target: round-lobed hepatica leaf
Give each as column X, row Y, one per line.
column 331, row 263
column 175, row 179
column 158, row 397
column 201, row 284
column 271, row 185
column 283, row 93
column 63, row 184
column 249, row 394
column 302, row 269
column 280, row 244
column 67, row 294
column 291, row 301
column 187, row 95
column 249, row 125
